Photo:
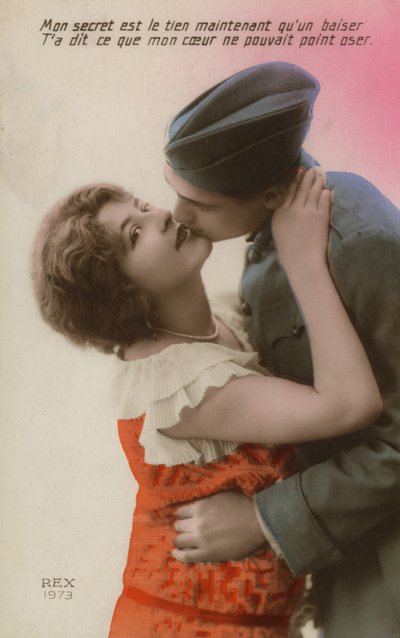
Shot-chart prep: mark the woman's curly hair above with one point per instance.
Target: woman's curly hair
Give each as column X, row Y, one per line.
column 81, row 289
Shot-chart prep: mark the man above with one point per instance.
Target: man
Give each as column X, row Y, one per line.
column 231, row 154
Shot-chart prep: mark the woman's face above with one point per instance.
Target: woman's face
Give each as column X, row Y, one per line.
column 156, row 252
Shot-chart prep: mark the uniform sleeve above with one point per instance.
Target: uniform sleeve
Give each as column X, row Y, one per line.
column 316, row 515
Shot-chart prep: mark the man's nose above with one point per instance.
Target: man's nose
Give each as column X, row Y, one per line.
column 181, row 213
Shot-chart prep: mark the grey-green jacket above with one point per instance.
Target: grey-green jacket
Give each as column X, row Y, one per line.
column 340, row 516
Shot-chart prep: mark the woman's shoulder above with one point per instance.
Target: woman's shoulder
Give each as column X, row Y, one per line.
column 175, row 368
column 162, row 384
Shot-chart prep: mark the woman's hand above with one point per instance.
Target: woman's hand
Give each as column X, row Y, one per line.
column 300, row 226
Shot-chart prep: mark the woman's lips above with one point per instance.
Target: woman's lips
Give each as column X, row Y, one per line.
column 182, row 234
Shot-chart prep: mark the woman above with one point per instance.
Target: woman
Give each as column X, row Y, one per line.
column 120, row 274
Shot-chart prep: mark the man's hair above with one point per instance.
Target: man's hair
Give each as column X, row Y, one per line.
column 80, row 287
column 284, row 179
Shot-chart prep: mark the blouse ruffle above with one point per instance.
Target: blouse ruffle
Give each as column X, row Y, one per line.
column 161, row 385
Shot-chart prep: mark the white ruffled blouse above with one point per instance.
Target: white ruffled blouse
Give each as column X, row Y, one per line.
column 161, row 385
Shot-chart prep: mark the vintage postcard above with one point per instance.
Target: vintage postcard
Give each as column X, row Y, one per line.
column 88, row 94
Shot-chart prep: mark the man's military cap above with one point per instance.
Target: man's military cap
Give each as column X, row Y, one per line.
column 245, row 131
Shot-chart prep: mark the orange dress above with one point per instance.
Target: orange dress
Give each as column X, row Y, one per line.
column 249, row 598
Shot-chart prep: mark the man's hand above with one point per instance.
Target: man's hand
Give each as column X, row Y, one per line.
column 218, row 528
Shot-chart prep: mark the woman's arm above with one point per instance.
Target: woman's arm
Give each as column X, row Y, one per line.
column 345, row 395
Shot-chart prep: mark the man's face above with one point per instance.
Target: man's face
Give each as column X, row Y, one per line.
column 215, row 215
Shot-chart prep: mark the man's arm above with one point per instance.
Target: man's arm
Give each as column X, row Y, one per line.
column 316, row 514
column 330, row 505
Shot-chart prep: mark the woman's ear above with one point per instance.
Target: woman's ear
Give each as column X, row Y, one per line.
column 274, row 196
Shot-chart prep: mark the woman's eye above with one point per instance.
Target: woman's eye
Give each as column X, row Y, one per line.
column 134, row 234
column 145, row 207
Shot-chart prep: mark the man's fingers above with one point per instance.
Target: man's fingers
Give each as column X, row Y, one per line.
column 189, row 555
column 185, row 511
column 185, row 541
column 185, row 525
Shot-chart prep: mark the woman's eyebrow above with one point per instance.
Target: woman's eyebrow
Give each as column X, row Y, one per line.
column 129, row 218
column 124, row 223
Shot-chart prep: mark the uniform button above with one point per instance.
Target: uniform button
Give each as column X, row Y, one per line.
column 253, row 254
column 246, row 309
column 297, row 331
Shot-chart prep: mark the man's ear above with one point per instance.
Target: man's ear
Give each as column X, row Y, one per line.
column 274, row 196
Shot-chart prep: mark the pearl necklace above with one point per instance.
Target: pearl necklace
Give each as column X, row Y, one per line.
column 183, row 335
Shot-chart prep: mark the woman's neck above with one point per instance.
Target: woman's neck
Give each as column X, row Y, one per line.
column 187, row 311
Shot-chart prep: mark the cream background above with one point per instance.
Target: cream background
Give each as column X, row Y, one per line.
column 70, row 117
